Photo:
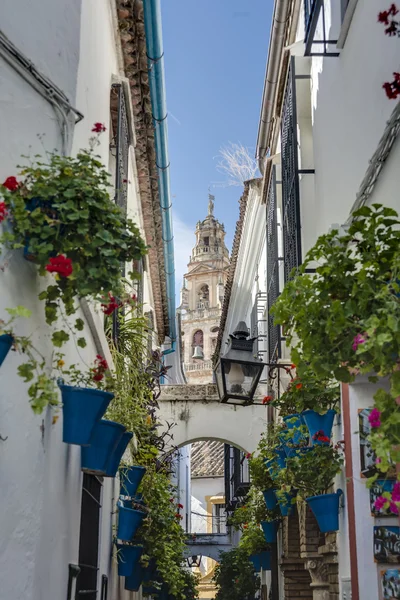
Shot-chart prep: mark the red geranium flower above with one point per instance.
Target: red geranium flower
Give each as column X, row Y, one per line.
column 99, row 128
column 178, row 516
column 11, row 184
column 172, row 500
column 180, row 505
column 112, row 305
column 299, row 386
column 248, row 455
column 267, row 399
column 320, row 436
column 393, row 89
column 60, row 264
column 101, row 362
column 98, row 376
column 3, row 211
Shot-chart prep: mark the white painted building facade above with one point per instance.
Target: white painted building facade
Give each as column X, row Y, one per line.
column 77, row 47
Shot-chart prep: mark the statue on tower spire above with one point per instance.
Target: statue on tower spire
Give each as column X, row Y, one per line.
column 211, row 199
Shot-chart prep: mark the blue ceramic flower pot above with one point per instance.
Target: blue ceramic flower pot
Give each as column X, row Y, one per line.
column 6, row 341
column 275, row 464
column 130, row 480
column 326, row 510
column 106, row 436
column 285, row 505
column 270, row 529
column 270, row 499
column 129, row 521
column 294, row 421
column 291, row 452
column 118, row 453
column 82, row 410
column 128, row 558
column 262, row 560
column 316, row 423
column 134, row 581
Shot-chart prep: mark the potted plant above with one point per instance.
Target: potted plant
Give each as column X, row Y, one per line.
column 130, row 480
column 343, row 326
column 130, row 519
column 64, row 217
column 104, row 440
column 262, row 480
column 115, row 459
column 312, row 475
column 128, row 557
column 85, row 397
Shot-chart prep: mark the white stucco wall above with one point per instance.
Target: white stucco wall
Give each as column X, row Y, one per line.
column 181, row 479
column 40, row 476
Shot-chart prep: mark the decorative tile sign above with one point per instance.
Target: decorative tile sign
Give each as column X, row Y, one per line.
column 367, row 455
column 390, row 584
column 387, row 544
column 378, row 488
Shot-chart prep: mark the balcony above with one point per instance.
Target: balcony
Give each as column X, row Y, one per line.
column 200, row 313
column 200, row 366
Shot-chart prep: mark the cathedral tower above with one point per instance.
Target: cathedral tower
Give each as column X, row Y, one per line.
column 201, row 297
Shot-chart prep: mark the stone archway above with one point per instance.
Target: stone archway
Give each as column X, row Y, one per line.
column 198, row 415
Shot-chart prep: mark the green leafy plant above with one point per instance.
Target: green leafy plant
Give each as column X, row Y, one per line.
column 62, row 213
column 253, row 511
column 252, row 540
column 311, row 473
column 308, row 391
column 259, row 475
column 42, row 390
column 234, row 576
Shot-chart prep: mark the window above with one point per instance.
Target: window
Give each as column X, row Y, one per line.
column 120, row 143
column 214, row 329
column 318, row 43
column 206, row 241
column 218, row 518
column 274, row 346
column 290, row 178
column 198, row 339
column 86, row 584
column 204, row 293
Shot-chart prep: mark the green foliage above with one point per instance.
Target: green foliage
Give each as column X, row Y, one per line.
column 42, row 391
column 354, row 291
column 74, row 217
column 308, row 391
column 259, row 475
column 234, row 576
column 311, row 473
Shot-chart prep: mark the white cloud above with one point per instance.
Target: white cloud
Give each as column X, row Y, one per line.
column 184, row 240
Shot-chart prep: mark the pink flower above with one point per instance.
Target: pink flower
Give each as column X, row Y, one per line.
column 357, row 341
column 394, row 509
column 378, row 461
column 374, row 418
column 396, row 492
column 380, row 503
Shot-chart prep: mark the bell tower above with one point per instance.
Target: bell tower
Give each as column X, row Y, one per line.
column 202, row 296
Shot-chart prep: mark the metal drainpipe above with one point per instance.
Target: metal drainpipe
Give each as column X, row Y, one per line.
column 278, row 28
column 155, row 54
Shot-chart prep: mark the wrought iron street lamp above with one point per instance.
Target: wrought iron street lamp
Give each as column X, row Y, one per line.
column 238, row 371
column 194, row 561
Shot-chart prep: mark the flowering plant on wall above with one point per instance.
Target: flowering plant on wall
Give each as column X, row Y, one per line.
column 346, row 317
column 391, row 23
column 62, row 215
column 42, row 389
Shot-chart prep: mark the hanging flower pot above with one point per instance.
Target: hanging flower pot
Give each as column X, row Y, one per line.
column 270, row 529
column 82, row 409
column 134, row 581
column 292, row 422
column 118, row 453
column 326, row 510
column 270, row 499
column 6, row 341
column 275, row 464
column 291, row 452
column 130, row 480
column 285, row 504
column 95, row 458
column 129, row 521
column 319, row 426
column 128, row 559
column 262, row 560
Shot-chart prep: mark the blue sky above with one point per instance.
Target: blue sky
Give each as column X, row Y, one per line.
column 215, row 57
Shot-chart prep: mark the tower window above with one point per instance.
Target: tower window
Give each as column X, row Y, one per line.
column 198, row 338
column 206, row 241
column 204, row 294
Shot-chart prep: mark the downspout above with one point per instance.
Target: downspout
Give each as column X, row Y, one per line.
column 276, row 43
column 155, row 56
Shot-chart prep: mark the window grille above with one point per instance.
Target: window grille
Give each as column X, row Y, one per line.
column 274, row 345
column 290, row 178
column 120, row 143
column 86, row 583
column 314, row 13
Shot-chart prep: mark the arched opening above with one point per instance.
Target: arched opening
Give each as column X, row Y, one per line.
column 197, row 341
